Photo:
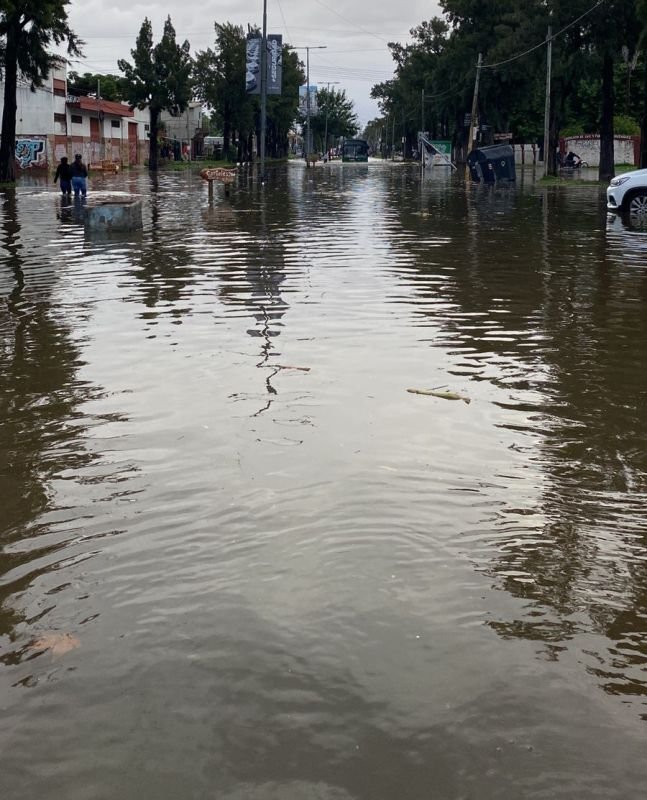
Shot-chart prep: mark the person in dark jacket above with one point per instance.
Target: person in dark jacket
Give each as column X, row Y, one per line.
column 64, row 172
column 79, row 176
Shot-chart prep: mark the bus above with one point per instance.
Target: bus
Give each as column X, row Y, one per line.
column 354, row 150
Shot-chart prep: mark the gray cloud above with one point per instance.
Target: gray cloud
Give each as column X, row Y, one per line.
column 357, row 55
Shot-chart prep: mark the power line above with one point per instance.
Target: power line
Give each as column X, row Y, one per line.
column 285, row 24
column 181, row 34
column 350, row 22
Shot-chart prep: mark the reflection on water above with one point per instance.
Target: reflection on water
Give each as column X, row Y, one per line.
column 288, row 577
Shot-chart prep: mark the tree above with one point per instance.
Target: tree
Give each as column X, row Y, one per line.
column 641, row 11
column 220, row 84
column 335, row 115
column 220, row 80
column 160, row 78
column 28, row 29
column 89, row 83
column 373, row 133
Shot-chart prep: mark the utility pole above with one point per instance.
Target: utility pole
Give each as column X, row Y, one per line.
column 263, row 90
column 393, row 138
column 422, row 112
column 549, row 67
column 188, row 135
column 328, row 85
column 475, row 99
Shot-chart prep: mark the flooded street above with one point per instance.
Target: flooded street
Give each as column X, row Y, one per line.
column 238, row 560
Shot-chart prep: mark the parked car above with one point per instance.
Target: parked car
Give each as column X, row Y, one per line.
column 628, row 193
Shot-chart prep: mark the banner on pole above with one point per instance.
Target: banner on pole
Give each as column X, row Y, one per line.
column 303, row 100
column 274, row 63
column 253, row 64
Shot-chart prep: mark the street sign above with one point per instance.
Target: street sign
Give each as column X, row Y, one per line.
column 502, row 137
column 219, row 174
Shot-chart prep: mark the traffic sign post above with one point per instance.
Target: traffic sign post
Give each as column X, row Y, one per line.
column 226, row 176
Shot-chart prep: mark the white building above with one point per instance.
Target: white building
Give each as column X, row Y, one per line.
column 50, row 124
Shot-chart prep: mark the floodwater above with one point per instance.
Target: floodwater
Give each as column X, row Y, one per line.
column 238, row 560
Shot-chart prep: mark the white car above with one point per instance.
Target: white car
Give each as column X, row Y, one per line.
column 628, row 192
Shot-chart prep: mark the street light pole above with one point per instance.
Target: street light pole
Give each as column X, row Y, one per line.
column 263, row 90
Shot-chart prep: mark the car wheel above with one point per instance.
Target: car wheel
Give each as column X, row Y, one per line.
column 638, row 205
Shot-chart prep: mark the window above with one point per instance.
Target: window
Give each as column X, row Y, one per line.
column 77, row 119
column 116, row 123
column 59, row 118
column 59, row 92
column 147, row 127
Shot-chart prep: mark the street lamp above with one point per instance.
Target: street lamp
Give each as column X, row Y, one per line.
column 263, row 90
column 308, row 49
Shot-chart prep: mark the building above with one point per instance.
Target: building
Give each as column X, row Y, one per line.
column 101, row 130
column 50, row 123
column 186, row 128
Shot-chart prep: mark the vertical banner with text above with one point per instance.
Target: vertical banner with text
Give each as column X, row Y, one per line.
column 274, row 63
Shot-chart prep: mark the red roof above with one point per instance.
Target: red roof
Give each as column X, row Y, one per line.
column 107, row 106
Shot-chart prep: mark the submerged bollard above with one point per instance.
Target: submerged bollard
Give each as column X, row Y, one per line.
column 114, row 215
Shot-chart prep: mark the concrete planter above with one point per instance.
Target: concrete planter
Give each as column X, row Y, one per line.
column 106, row 216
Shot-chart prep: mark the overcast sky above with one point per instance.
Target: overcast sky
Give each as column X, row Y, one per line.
column 355, row 33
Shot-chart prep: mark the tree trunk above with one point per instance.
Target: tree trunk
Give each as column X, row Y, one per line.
column 152, row 142
column 643, row 127
column 607, row 160
column 226, row 132
column 8, row 136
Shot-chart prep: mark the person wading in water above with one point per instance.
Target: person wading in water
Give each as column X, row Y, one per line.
column 79, row 176
column 64, row 172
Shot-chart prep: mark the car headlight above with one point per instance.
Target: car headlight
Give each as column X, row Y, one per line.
column 619, row 181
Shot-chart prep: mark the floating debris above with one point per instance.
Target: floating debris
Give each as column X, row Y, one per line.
column 58, row 643
column 285, row 366
column 442, row 395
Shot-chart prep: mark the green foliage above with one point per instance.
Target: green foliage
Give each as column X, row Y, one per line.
column 110, row 86
column 626, row 126
column 28, row 31
column 572, row 130
column 159, row 78
column 220, row 80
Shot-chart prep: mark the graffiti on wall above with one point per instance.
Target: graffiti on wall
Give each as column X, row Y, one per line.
column 31, row 152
